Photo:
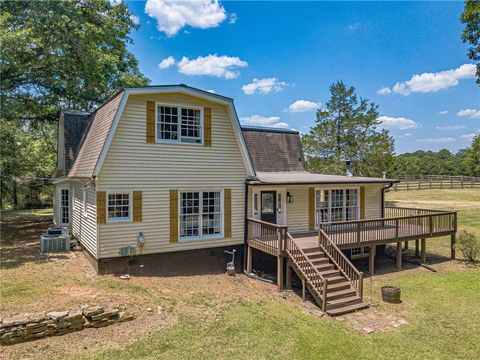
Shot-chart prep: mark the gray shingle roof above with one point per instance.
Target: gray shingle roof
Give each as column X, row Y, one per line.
column 274, row 150
column 304, row 177
column 75, row 128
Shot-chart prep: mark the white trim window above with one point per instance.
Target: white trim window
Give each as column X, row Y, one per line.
column 201, row 214
column 64, row 206
column 359, row 252
column 119, row 207
column 336, row 205
column 179, row 124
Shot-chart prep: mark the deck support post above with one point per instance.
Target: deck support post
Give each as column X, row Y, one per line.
column 304, row 295
column 406, row 245
column 424, row 251
column 417, row 248
column 371, row 260
column 280, row 272
column 288, row 278
column 249, row 259
column 398, row 263
column 452, row 246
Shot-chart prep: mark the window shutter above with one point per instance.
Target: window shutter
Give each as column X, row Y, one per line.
column 311, row 209
column 227, row 212
column 362, row 202
column 173, row 216
column 207, row 126
column 101, row 207
column 150, row 122
column 137, row 206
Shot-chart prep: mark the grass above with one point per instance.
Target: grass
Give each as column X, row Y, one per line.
column 219, row 317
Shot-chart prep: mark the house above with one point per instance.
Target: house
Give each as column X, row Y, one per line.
column 165, row 178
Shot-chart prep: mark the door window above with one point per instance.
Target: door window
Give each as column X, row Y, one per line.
column 267, row 203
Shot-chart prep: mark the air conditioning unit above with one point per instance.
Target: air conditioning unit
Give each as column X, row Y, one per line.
column 54, row 243
column 57, row 230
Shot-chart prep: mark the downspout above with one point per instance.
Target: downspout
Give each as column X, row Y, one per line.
column 245, row 229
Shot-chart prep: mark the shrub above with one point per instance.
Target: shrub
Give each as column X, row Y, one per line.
column 469, row 245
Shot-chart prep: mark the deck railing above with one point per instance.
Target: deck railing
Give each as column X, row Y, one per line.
column 341, row 262
column 266, row 236
column 311, row 274
column 411, row 224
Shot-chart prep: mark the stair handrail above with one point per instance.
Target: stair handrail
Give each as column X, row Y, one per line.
column 323, row 289
column 338, row 258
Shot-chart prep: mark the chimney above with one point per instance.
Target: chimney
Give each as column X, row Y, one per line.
column 348, row 163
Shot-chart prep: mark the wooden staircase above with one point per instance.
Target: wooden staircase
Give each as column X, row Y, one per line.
column 335, row 284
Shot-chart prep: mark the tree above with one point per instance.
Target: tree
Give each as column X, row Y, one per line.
column 56, row 54
column 471, row 34
column 473, row 157
column 348, row 130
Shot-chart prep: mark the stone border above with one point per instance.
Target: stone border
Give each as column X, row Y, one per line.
column 27, row 327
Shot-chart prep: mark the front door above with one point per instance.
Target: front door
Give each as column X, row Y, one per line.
column 268, row 206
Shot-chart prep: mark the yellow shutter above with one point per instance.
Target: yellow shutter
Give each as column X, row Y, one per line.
column 227, row 212
column 150, row 122
column 173, row 216
column 362, row 202
column 311, row 209
column 137, row 206
column 101, row 207
column 207, row 126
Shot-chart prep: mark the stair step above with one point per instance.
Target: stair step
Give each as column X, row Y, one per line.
column 336, row 279
column 329, row 273
column 347, row 309
column 324, row 267
column 338, row 286
column 319, row 261
column 339, row 303
column 340, row 294
column 312, row 250
column 316, row 255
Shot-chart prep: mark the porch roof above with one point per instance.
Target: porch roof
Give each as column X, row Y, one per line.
column 305, row 177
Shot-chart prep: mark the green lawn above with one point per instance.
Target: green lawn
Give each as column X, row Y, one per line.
column 222, row 317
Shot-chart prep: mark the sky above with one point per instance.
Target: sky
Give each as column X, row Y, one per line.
column 278, row 59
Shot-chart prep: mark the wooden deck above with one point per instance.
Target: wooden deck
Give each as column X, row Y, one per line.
column 306, row 253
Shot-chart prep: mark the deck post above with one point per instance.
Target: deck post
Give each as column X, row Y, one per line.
column 371, row 260
column 417, row 248
column 452, row 246
column 304, row 295
column 398, row 263
column 280, row 272
column 249, row 258
column 406, row 245
column 424, row 251
column 289, row 275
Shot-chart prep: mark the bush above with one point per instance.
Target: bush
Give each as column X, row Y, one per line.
column 469, row 245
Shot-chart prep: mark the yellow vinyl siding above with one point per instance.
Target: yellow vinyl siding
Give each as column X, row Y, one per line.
column 150, row 122
column 84, row 228
column 207, row 127
column 132, row 164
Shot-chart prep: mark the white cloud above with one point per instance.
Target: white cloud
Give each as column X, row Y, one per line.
column 473, row 113
column 353, row 27
column 437, row 140
column 260, row 120
column 399, row 122
column 407, row 134
column 443, row 112
column 302, row 106
column 173, row 15
column 467, row 137
column 384, row 91
column 211, row 91
column 264, row 86
column 232, row 19
column 270, row 121
column 433, row 82
column 450, row 127
column 211, row 65
column 167, row 62
column 135, row 19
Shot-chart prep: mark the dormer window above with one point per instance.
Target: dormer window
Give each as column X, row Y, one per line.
column 179, row 124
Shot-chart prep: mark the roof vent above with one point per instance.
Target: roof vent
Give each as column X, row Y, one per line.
column 348, row 163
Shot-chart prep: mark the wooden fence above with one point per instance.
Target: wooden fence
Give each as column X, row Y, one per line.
column 423, row 182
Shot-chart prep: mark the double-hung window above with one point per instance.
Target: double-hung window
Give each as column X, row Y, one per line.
column 64, row 207
column 336, row 205
column 179, row 124
column 201, row 214
column 119, row 207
